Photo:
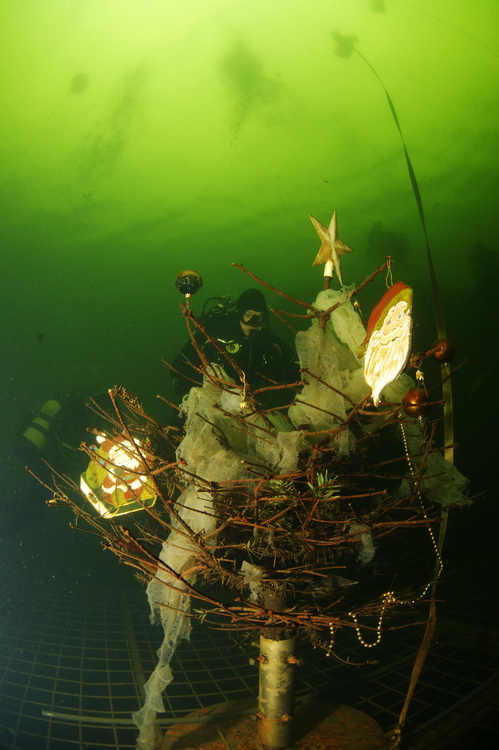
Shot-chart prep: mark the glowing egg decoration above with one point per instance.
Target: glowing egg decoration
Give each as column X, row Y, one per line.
column 388, row 339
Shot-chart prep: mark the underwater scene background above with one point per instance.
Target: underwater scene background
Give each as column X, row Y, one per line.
column 141, row 138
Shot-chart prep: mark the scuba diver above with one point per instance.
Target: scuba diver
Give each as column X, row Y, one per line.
column 48, row 441
column 55, row 433
column 241, row 331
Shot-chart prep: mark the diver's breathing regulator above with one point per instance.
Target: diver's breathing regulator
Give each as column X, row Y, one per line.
column 38, row 430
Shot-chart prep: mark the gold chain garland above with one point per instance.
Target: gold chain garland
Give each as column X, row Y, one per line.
column 389, row 596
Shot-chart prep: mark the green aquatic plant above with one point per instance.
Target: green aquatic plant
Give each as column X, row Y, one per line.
column 325, row 486
column 283, row 487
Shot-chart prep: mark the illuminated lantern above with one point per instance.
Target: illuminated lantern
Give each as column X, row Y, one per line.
column 116, row 480
column 415, row 402
column 388, row 339
column 443, row 351
column 188, row 282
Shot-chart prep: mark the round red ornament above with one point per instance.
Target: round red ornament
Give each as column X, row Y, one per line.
column 443, row 351
column 415, row 402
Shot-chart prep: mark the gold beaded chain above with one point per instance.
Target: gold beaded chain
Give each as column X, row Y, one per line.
column 389, row 596
column 440, row 562
column 329, row 649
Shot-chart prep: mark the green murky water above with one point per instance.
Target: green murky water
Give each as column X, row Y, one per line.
column 140, row 138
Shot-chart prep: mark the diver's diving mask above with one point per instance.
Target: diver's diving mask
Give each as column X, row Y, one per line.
column 252, row 321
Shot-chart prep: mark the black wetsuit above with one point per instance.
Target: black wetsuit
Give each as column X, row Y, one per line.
column 262, row 357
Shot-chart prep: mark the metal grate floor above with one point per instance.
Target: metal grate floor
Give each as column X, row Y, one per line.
column 85, row 652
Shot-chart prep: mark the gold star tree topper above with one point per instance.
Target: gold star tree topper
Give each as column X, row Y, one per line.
column 331, row 249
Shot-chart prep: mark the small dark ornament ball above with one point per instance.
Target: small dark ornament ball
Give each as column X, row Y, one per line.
column 443, row 350
column 188, row 282
column 415, row 402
